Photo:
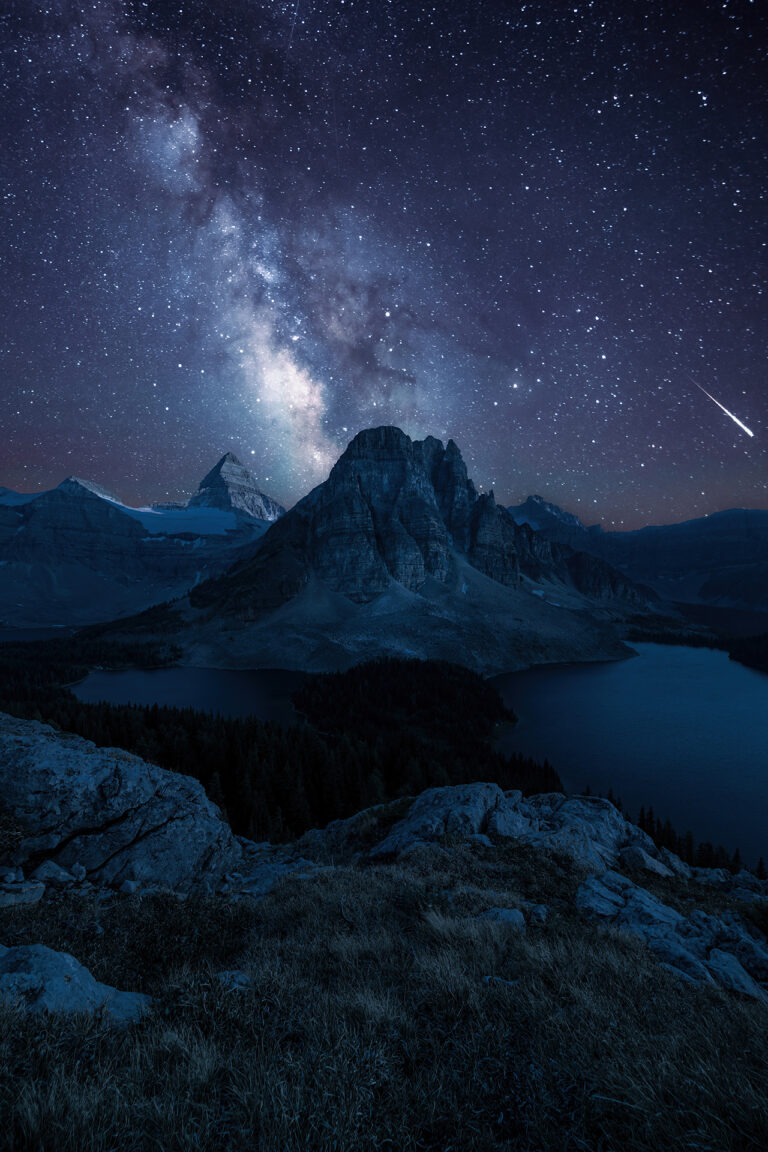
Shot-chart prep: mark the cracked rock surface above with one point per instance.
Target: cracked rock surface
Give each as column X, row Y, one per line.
column 109, row 812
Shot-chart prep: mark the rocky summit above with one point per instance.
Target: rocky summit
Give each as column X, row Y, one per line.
column 396, row 510
column 231, row 487
column 397, row 552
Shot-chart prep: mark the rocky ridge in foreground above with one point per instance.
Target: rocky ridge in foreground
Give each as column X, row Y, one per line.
column 85, row 819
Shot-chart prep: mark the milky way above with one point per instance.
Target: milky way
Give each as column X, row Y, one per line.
column 262, row 227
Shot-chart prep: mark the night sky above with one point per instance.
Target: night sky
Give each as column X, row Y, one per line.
column 259, row 227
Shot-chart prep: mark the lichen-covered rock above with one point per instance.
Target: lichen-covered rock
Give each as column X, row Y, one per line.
column 110, row 812
column 41, row 980
column 702, row 947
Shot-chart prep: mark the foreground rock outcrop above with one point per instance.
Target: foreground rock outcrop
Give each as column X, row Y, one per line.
column 38, row 979
column 701, row 947
column 109, row 813
column 721, row 949
column 101, row 817
column 590, row 830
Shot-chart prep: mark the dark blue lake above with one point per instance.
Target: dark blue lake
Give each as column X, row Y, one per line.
column 682, row 729
column 264, row 693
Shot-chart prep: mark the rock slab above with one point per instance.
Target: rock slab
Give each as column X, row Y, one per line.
column 588, row 829
column 109, row 812
column 41, row 980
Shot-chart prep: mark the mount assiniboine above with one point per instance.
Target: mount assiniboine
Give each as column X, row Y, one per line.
column 396, row 552
column 76, row 555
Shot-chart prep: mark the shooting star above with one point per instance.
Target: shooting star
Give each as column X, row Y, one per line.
column 735, row 419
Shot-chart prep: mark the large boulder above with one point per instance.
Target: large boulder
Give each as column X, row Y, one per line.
column 589, row 830
column 110, row 812
column 40, row 980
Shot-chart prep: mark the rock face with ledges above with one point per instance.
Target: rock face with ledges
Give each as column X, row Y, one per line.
column 109, row 812
column 394, row 511
column 232, row 487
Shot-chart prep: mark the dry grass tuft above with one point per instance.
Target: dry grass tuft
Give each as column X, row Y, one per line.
column 379, row 1014
column 11, row 835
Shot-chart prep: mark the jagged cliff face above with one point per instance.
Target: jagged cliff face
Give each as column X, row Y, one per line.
column 231, row 487
column 394, row 510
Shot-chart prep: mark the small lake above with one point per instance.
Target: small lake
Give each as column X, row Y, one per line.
column 682, row 729
column 264, row 693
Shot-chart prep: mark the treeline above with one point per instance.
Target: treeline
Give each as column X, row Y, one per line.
column 703, row 854
column 750, row 650
column 669, row 636
column 430, row 725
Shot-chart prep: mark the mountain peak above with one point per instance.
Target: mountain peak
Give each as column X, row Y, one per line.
column 540, row 513
column 231, row 487
column 73, row 486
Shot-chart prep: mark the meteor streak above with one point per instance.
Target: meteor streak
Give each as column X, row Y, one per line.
column 734, row 418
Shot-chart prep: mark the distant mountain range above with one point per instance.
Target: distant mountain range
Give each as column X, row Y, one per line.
column 76, row 554
column 719, row 560
column 396, row 552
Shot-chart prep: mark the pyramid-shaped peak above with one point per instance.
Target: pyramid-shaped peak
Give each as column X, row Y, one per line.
column 227, row 462
column 232, row 487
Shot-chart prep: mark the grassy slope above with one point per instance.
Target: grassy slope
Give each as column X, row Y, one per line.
column 370, row 1024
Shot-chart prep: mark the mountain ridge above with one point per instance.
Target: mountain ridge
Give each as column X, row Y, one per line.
column 75, row 554
column 719, row 560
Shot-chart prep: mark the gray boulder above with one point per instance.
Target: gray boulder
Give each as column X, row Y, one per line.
column 702, row 947
column 638, row 860
column 590, row 830
column 41, row 980
column 511, row 916
column 18, row 893
column 110, row 812
column 50, row 873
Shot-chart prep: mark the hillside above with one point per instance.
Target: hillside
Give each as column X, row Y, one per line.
column 465, row 970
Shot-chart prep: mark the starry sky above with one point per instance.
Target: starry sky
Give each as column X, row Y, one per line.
column 260, row 227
